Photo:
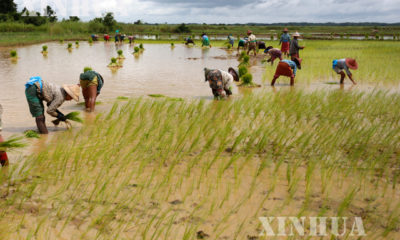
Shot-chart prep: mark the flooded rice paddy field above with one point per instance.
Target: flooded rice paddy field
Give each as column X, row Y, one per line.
column 223, row 166
column 176, row 72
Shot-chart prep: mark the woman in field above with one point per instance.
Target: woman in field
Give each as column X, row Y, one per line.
column 242, row 44
column 3, row 155
column 287, row 68
column 37, row 91
column 252, row 43
column 205, row 41
column 274, row 53
column 295, row 47
column 342, row 65
column 91, row 83
column 285, row 42
column 221, row 82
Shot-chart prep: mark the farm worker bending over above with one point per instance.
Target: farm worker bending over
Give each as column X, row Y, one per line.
column 37, row 91
column 274, row 53
column 231, row 40
column 205, row 40
column 242, row 43
column 91, row 83
column 294, row 47
column 252, row 43
column 189, row 40
column 285, row 41
column 131, row 39
column 220, row 81
column 344, row 64
column 287, row 68
column 261, row 45
column 3, row 155
column 106, row 37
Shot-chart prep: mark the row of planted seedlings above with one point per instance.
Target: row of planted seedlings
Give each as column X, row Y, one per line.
column 244, row 74
column 224, row 165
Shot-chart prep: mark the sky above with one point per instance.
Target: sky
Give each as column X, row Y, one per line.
column 225, row 11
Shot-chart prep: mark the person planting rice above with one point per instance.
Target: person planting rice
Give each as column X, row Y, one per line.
column 252, row 45
column 37, row 91
column 3, row 154
column 285, row 42
column 274, row 53
column 295, row 47
column 205, row 40
column 95, row 37
column 189, row 40
column 221, row 81
column 231, row 40
column 106, row 37
column 261, row 45
column 242, row 43
column 287, row 68
column 122, row 38
column 341, row 65
column 131, row 39
column 91, row 83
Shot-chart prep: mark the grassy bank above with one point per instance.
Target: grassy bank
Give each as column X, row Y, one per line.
column 156, row 169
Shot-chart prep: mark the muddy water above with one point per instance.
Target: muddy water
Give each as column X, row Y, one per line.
column 174, row 72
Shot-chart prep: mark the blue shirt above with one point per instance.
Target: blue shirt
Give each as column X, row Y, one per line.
column 292, row 65
column 285, row 37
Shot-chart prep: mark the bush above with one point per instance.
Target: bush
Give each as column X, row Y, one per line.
column 242, row 71
column 247, row 79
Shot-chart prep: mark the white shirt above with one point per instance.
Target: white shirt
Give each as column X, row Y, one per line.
column 227, row 79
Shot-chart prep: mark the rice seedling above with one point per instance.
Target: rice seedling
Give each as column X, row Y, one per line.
column 136, row 51
column 247, row 79
column 242, row 55
column 69, row 46
column 13, row 54
column 77, row 43
column 243, row 70
column 135, row 171
column 44, row 49
column 156, row 95
column 90, row 41
column 85, row 69
column 245, row 61
column 31, row 134
column 172, row 45
column 114, row 63
column 122, row 98
column 120, row 54
column 141, row 48
column 12, row 143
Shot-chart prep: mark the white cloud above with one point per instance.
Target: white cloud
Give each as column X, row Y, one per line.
column 226, row 11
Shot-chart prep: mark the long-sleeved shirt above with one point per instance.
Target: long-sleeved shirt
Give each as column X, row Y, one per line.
column 52, row 94
column 227, row 79
column 285, row 38
column 341, row 65
column 252, row 38
column 292, row 65
column 294, row 47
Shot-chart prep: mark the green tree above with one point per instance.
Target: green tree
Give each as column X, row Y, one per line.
column 7, row 6
column 182, row 29
column 109, row 20
column 50, row 13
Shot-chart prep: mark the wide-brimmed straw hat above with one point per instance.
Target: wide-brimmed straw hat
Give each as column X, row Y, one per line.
column 352, row 63
column 297, row 34
column 72, row 90
column 285, row 30
column 298, row 62
column 234, row 73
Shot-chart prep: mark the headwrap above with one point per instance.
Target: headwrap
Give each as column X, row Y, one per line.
column 34, row 80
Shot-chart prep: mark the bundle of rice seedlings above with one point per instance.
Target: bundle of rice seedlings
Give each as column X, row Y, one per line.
column 12, row 143
column 141, row 47
column 90, row 41
column 242, row 71
column 247, row 79
column 74, row 116
column 13, row 54
column 156, row 95
column 245, row 61
column 114, row 63
column 44, row 49
column 69, row 46
column 136, row 50
column 122, row 98
column 241, row 56
column 85, row 69
column 31, row 134
column 61, row 41
column 120, row 54
column 77, row 43
column 172, row 45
